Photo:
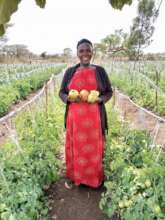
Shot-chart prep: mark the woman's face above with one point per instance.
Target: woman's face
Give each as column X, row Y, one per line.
column 84, row 53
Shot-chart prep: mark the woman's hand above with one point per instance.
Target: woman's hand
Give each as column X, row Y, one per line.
column 99, row 100
column 77, row 99
column 96, row 100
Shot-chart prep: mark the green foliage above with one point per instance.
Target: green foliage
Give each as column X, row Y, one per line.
column 112, row 40
column 142, row 28
column 41, row 3
column 2, row 29
column 7, row 7
column 28, row 168
column 112, row 44
column 8, row 96
column 21, row 88
column 138, row 89
column 118, row 4
column 134, row 176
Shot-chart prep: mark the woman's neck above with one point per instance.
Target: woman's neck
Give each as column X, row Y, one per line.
column 84, row 65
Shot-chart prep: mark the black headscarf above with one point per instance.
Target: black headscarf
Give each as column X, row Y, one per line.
column 84, row 41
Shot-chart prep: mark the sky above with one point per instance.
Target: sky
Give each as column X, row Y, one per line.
column 64, row 22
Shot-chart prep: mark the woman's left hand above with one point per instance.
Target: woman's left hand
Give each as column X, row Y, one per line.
column 97, row 100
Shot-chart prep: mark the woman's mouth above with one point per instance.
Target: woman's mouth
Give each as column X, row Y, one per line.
column 85, row 59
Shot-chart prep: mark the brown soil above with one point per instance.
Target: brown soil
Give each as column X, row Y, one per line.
column 139, row 119
column 79, row 203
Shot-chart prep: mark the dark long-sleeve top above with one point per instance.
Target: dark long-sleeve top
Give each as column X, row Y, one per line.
column 103, row 86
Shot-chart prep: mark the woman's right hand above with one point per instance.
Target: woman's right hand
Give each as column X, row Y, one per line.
column 77, row 99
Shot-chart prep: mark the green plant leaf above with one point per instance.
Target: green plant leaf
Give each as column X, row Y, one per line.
column 118, row 4
column 2, row 29
column 41, row 3
column 7, row 7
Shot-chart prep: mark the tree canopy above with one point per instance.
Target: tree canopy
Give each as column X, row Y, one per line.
column 8, row 7
column 118, row 4
column 143, row 27
column 140, row 36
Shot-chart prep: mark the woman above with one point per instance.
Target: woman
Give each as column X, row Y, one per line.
column 85, row 121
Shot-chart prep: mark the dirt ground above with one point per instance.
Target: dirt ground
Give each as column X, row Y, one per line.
column 140, row 119
column 79, row 203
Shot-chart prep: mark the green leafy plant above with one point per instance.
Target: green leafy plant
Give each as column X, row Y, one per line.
column 134, row 175
column 20, row 88
column 30, row 164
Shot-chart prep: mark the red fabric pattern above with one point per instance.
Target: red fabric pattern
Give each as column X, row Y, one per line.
column 84, row 140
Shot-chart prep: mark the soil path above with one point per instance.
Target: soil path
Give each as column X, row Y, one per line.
column 141, row 119
column 79, row 203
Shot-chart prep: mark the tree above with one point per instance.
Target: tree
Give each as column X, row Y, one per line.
column 16, row 50
column 99, row 50
column 118, row 4
column 112, row 43
column 43, row 55
column 142, row 29
column 8, row 7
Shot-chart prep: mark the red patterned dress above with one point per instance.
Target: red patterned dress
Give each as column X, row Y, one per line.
column 84, row 140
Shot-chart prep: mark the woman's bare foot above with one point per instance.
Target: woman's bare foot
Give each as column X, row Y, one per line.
column 68, row 184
